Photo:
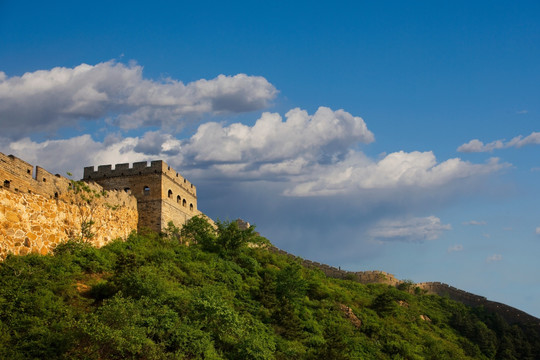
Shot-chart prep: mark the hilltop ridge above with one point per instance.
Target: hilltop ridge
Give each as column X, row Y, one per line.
column 509, row 313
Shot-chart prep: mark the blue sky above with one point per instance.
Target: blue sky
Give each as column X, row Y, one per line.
column 389, row 135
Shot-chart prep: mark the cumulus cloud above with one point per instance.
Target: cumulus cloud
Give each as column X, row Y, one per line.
column 518, row 141
column 272, row 139
column 494, row 257
column 455, row 248
column 399, row 170
column 47, row 100
column 475, row 223
column 409, row 230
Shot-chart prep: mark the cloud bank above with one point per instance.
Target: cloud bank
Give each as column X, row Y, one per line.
column 310, row 155
column 47, row 100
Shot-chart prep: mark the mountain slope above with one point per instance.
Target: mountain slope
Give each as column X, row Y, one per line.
column 226, row 296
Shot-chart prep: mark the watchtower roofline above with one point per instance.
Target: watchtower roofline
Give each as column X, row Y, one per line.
column 138, row 169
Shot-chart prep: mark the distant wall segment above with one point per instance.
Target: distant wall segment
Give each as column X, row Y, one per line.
column 510, row 314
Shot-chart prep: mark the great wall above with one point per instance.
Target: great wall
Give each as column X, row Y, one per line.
column 39, row 210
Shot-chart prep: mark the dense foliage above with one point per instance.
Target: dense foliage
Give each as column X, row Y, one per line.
column 226, row 296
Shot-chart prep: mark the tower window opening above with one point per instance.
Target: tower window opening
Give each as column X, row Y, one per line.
column 169, row 194
column 146, row 190
column 190, row 207
column 7, row 184
column 184, row 202
column 178, row 199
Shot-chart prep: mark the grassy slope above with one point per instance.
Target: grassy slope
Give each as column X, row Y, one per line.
column 153, row 298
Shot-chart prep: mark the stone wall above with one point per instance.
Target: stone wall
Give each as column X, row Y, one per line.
column 37, row 223
column 39, row 210
column 363, row 277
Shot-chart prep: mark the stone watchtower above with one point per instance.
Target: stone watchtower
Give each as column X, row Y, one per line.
column 162, row 194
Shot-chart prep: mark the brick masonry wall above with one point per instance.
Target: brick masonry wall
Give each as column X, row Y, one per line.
column 34, row 223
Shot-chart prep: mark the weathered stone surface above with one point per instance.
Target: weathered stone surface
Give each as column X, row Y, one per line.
column 25, row 230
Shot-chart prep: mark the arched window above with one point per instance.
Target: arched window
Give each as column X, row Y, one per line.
column 56, row 195
column 169, row 194
column 178, row 199
column 7, row 183
column 184, row 203
column 146, row 190
column 128, row 190
column 190, row 207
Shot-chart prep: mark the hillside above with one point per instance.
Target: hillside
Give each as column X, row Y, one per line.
column 226, row 296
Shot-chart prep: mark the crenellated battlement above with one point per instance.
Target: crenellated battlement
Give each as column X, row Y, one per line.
column 17, row 175
column 139, row 169
column 163, row 195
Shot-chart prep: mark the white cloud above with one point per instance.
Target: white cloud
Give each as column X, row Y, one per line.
column 475, row 223
column 494, row 257
column 271, row 139
column 409, row 230
column 478, row 146
column 47, row 100
column 522, row 112
column 61, row 156
column 518, row 141
column 537, row 230
column 455, row 248
column 400, row 170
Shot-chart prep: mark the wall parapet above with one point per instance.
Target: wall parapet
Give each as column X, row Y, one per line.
column 137, row 169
